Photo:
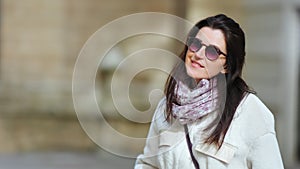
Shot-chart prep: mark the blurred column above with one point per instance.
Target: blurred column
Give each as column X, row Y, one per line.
column 271, row 66
column 32, row 94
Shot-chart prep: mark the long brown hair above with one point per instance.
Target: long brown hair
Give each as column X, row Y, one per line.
column 236, row 87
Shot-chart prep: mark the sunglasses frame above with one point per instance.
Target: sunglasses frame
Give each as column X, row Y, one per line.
column 191, row 40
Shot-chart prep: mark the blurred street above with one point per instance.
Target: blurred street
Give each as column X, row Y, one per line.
column 64, row 160
column 68, row 160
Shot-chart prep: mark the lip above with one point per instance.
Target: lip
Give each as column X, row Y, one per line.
column 196, row 64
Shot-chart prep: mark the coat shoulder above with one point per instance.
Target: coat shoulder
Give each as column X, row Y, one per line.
column 254, row 116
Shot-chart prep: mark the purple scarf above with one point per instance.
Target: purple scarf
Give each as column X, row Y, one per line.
column 192, row 104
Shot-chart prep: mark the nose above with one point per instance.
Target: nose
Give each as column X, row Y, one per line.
column 199, row 54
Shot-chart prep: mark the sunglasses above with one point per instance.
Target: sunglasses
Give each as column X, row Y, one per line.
column 211, row 52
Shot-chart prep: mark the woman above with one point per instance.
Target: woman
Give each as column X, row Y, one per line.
column 210, row 119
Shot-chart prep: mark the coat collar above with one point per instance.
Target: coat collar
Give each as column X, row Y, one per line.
column 224, row 154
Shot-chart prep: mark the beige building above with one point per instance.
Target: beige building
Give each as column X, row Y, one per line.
column 41, row 40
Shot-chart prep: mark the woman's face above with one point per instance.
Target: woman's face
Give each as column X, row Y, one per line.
column 196, row 63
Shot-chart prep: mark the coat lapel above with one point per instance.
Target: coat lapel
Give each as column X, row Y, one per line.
column 224, row 154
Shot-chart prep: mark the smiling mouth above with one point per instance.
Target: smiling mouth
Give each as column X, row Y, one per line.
column 196, row 64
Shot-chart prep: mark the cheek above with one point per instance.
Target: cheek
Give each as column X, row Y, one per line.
column 186, row 59
column 214, row 69
column 188, row 55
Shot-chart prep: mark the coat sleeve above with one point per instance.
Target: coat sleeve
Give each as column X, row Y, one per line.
column 148, row 160
column 265, row 153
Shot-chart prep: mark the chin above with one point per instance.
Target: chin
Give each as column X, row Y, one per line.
column 194, row 74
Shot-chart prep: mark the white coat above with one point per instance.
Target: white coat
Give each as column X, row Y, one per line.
column 250, row 142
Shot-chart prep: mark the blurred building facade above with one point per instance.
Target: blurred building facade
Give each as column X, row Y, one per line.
column 41, row 39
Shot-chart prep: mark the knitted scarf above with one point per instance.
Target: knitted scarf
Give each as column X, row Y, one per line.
column 192, row 104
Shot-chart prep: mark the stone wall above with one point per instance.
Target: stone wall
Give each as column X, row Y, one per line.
column 40, row 41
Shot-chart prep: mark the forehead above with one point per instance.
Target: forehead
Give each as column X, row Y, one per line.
column 212, row 36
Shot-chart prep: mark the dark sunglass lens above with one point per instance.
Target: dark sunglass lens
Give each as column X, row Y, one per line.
column 211, row 53
column 194, row 47
column 194, row 44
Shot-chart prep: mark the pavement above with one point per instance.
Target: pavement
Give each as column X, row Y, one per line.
column 68, row 160
column 64, row 160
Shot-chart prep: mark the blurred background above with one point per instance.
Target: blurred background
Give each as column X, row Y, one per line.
column 41, row 39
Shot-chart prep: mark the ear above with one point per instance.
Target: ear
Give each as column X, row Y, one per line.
column 224, row 70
